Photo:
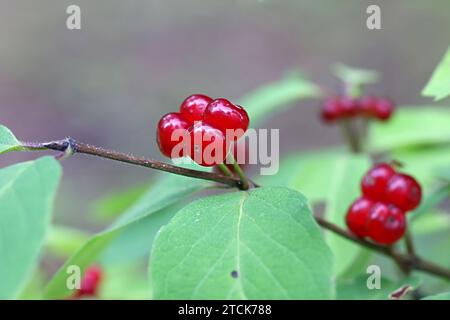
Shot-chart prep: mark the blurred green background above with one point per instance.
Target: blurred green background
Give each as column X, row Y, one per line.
column 132, row 61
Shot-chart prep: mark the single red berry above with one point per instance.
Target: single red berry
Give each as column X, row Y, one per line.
column 357, row 216
column 331, row 109
column 208, row 145
column 383, row 108
column 192, row 107
column 168, row 137
column 374, row 183
column 367, row 105
column 223, row 115
column 348, row 106
column 386, row 223
column 404, row 192
column 90, row 282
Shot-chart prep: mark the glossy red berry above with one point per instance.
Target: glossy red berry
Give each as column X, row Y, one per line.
column 90, row 282
column 193, row 107
column 404, row 192
column 166, row 135
column 383, row 108
column 223, row 115
column 386, row 223
column 374, row 183
column 357, row 216
column 208, row 145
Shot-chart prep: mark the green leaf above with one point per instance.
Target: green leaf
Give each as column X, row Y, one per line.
column 8, row 141
column 64, row 241
column 354, row 78
column 116, row 203
column 344, row 188
column 357, row 289
column 261, row 244
column 307, row 172
column 438, row 86
column 277, row 96
column 430, row 222
column 411, row 127
column 440, row 296
column 27, row 192
column 153, row 204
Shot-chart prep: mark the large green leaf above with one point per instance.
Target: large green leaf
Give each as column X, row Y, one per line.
column 438, row 86
column 261, row 244
column 153, row 204
column 27, row 192
column 344, row 188
column 440, row 296
column 277, row 96
column 411, row 127
column 8, row 141
column 307, row 172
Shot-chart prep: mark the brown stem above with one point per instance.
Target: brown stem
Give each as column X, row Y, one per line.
column 351, row 135
column 72, row 146
column 409, row 260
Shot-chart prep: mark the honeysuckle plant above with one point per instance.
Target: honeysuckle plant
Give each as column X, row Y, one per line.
column 298, row 234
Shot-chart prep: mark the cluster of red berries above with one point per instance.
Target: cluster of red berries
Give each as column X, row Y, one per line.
column 90, row 282
column 344, row 107
column 380, row 213
column 206, row 122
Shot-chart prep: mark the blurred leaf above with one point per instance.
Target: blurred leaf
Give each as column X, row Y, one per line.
column 344, row 188
column 261, row 244
column 277, row 96
column 161, row 196
column 307, row 172
column 64, row 241
column 431, row 201
column 438, row 86
column 440, row 296
column 411, row 128
column 424, row 163
column 115, row 203
column 354, row 78
column 8, row 141
column 357, row 289
column 27, row 192
column 430, row 222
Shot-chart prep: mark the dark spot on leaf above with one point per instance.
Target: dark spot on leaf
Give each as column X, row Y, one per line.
column 234, row 274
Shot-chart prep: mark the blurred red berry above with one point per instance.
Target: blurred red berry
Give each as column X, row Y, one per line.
column 357, row 216
column 386, row 223
column 348, row 106
column 404, row 192
column 90, row 282
column 374, row 183
column 166, row 127
column 366, row 105
column 384, row 108
column 193, row 107
column 223, row 115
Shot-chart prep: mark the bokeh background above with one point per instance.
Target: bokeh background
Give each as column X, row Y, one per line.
column 132, row 61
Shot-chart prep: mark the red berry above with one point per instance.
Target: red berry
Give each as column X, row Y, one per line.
column 348, row 106
column 383, row 108
column 193, row 107
column 366, row 105
column 386, row 223
column 90, row 282
column 404, row 192
column 208, row 145
column 166, row 127
column 331, row 110
column 223, row 115
column 357, row 216
column 374, row 183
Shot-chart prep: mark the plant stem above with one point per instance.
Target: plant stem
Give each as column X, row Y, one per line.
column 222, row 167
column 240, row 173
column 78, row 147
column 409, row 243
column 351, row 135
column 412, row 261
